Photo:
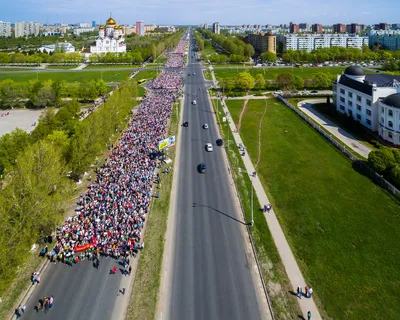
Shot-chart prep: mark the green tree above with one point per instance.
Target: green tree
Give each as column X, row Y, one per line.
column 381, row 160
column 268, row 56
column 322, row 80
column 260, row 81
column 285, row 81
column 245, row 81
column 298, row 82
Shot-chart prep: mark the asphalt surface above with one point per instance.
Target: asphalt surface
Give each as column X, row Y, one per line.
column 80, row 292
column 211, row 277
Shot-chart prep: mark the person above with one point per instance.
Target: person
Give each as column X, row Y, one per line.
column 299, row 293
column 23, row 308
column 114, row 270
column 310, row 291
column 308, row 315
column 51, row 302
column 17, row 313
column 129, row 270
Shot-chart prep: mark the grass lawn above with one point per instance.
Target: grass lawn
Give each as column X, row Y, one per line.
column 235, row 106
column 147, row 74
column 17, row 69
column 207, row 74
column 111, row 66
column 161, row 59
column 284, row 304
column 343, row 229
column 62, row 67
column 148, row 276
column 208, row 50
column 272, row 73
column 69, row 76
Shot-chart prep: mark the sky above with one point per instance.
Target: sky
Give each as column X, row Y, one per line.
column 195, row 12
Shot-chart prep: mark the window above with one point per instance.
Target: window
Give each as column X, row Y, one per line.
column 358, row 116
column 368, row 102
column 341, row 107
column 390, row 124
column 342, row 99
column 382, row 110
column 350, row 113
column 382, row 120
column 342, row 91
column 350, row 95
column 358, row 107
column 390, row 113
column 390, row 135
column 368, row 112
column 368, row 122
column 359, row 98
column 350, row 103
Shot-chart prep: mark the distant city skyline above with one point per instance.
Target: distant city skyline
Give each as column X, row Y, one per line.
column 194, row 12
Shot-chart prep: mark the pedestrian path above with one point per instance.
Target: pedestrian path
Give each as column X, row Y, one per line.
column 80, row 67
column 292, row 269
column 345, row 137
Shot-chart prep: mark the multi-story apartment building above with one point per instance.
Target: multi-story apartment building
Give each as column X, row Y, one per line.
column 78, row 31
column 304, row 27
column 316, row 28
column 293, row 28
column 354, row 28
column 339, row 28
column 216, row 28
column 315, row 41
column 371, row 99
column 24, row 29
column 5, row 29
column 382, row 26
column 387, row 42
column 140, row 28
column 263, row 42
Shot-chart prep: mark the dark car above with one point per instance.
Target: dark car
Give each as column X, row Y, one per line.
column 220, row 142
column 202, row 168
column 185, row 124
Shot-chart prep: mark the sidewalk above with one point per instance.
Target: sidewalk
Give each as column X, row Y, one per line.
column 346, row 138
column 287, row 257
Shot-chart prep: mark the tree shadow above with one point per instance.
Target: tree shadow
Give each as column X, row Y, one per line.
column 195, row 205
column 301, row 317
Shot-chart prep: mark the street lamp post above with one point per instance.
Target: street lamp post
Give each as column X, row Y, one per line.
column 251, row 199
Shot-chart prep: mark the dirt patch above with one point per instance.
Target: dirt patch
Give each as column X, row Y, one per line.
column 242, row 114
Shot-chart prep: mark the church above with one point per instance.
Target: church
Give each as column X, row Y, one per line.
column 111, row 38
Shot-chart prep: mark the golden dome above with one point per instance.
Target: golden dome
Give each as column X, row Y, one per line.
column 110, row 22
column 101, row 27
column 117, row 27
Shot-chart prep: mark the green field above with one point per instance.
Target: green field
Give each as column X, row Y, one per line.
column 343, row 229
column 112, row 66
column 207, row 74
column 147, row 74
column 68, row 76
column 62, row 67
column 235, row 106
column 16, row 69
column 272, row 73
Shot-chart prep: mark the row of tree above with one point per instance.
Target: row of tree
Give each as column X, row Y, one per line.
column 340, row 54
column 40, row 94
column 393, row 65
column 232, row 44
column 37, row 167
column 286, row 81
column 386, row 161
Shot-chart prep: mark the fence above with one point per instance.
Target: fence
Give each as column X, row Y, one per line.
column 358, row 164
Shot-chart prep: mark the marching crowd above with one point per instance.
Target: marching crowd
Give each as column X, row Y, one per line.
column 112, row 212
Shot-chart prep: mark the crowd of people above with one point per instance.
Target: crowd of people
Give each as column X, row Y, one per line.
column 169, row 79
column 112, row 213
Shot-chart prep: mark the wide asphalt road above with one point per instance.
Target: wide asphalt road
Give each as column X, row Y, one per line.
column 80, row 292
column 210, row 275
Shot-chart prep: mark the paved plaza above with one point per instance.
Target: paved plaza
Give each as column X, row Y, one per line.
column 22, row 119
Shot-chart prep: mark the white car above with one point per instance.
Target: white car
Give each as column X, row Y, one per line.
column 194, row 102
column 209, row 147
column 205, row 126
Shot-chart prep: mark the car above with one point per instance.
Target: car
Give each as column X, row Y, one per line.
column 185, row 124
column 194, row 73
column 202, row 168
column 209, row 147
column 205, row 126
column 220, row 142
column 194, row 102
